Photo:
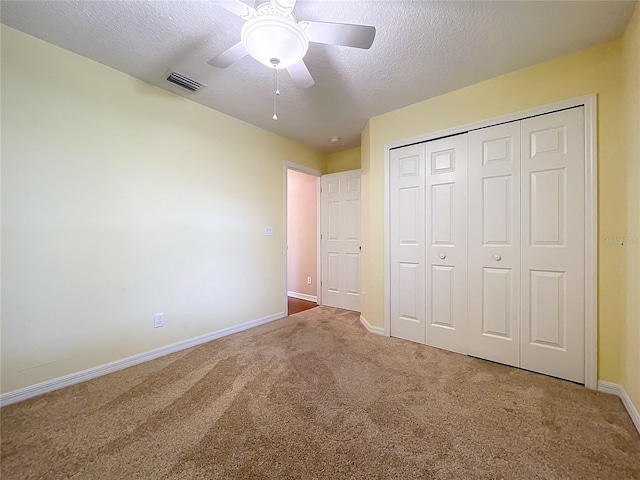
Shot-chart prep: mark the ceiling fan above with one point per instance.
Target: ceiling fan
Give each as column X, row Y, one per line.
column 272, row 36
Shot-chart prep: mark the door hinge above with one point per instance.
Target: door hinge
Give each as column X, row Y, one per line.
column 320, row 236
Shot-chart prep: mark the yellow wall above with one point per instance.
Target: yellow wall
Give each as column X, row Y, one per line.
column 631, row 335
column 596, row 70
column 344, row 161
column 121, row 200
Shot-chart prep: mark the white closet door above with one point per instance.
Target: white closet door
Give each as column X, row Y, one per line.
column 553, row 244
column 494, row 243
column 340, row 220
column 406, row 206
column 446, row 234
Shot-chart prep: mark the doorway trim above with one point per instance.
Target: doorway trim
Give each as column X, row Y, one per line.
column 314, row 173
column 591, row 213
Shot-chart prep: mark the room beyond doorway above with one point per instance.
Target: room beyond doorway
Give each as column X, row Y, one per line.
column 297, row 305
column 302, row 215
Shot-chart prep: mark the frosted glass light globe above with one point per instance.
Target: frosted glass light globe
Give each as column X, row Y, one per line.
column 272, row 37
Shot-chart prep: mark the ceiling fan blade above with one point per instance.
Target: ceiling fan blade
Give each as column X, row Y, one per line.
column 238, row 8
column 229, row 56
column 348, row 35
column 300, row 75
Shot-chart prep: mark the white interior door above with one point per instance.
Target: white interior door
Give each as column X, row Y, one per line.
column 340, row 240
column 553, row 222
column 407, row 217
column 494, row 243
column 446, row 238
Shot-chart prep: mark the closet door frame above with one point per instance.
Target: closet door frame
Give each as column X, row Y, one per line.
column 591, row 213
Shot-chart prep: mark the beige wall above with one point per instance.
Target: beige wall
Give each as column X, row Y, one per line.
column 121, row 200
column 302, row 236
column 631, row 334
column 596, row 70
column 344, row 161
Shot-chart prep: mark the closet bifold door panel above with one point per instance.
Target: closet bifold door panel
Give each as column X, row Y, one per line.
column 407, row 269
column 487, row 243
column 446, row 238
column 494, row 243
column 553, row 250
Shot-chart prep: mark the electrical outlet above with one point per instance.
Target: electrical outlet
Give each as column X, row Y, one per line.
column 308, row 280
column 158, row 320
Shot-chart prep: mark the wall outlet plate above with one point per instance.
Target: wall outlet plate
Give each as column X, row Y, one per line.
column 158, row 320
column 308, row 280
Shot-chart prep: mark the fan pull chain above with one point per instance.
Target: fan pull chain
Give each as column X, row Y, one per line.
column 275, row 95
column 275, row 108
column 275, row 62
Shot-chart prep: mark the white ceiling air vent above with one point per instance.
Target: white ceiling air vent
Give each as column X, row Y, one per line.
column 184, row 82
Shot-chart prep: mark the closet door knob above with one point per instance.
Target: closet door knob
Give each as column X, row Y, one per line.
column 443, row 256
column 497, row 257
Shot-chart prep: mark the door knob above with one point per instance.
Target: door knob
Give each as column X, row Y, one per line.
column 497, row 257
column 443, row 256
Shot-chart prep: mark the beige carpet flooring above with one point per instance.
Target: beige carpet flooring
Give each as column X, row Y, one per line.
column 316, row 396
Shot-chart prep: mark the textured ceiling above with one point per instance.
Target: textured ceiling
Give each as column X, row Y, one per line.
column 422, row 49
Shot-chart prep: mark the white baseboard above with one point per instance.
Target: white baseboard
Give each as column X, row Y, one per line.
column 615, row 389
column 372, row 329
column 303, row 296
column 84, row 375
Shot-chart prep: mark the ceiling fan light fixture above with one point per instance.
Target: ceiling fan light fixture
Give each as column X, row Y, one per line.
column 273, row 37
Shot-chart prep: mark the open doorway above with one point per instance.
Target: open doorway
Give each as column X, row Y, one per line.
column 303, row 233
